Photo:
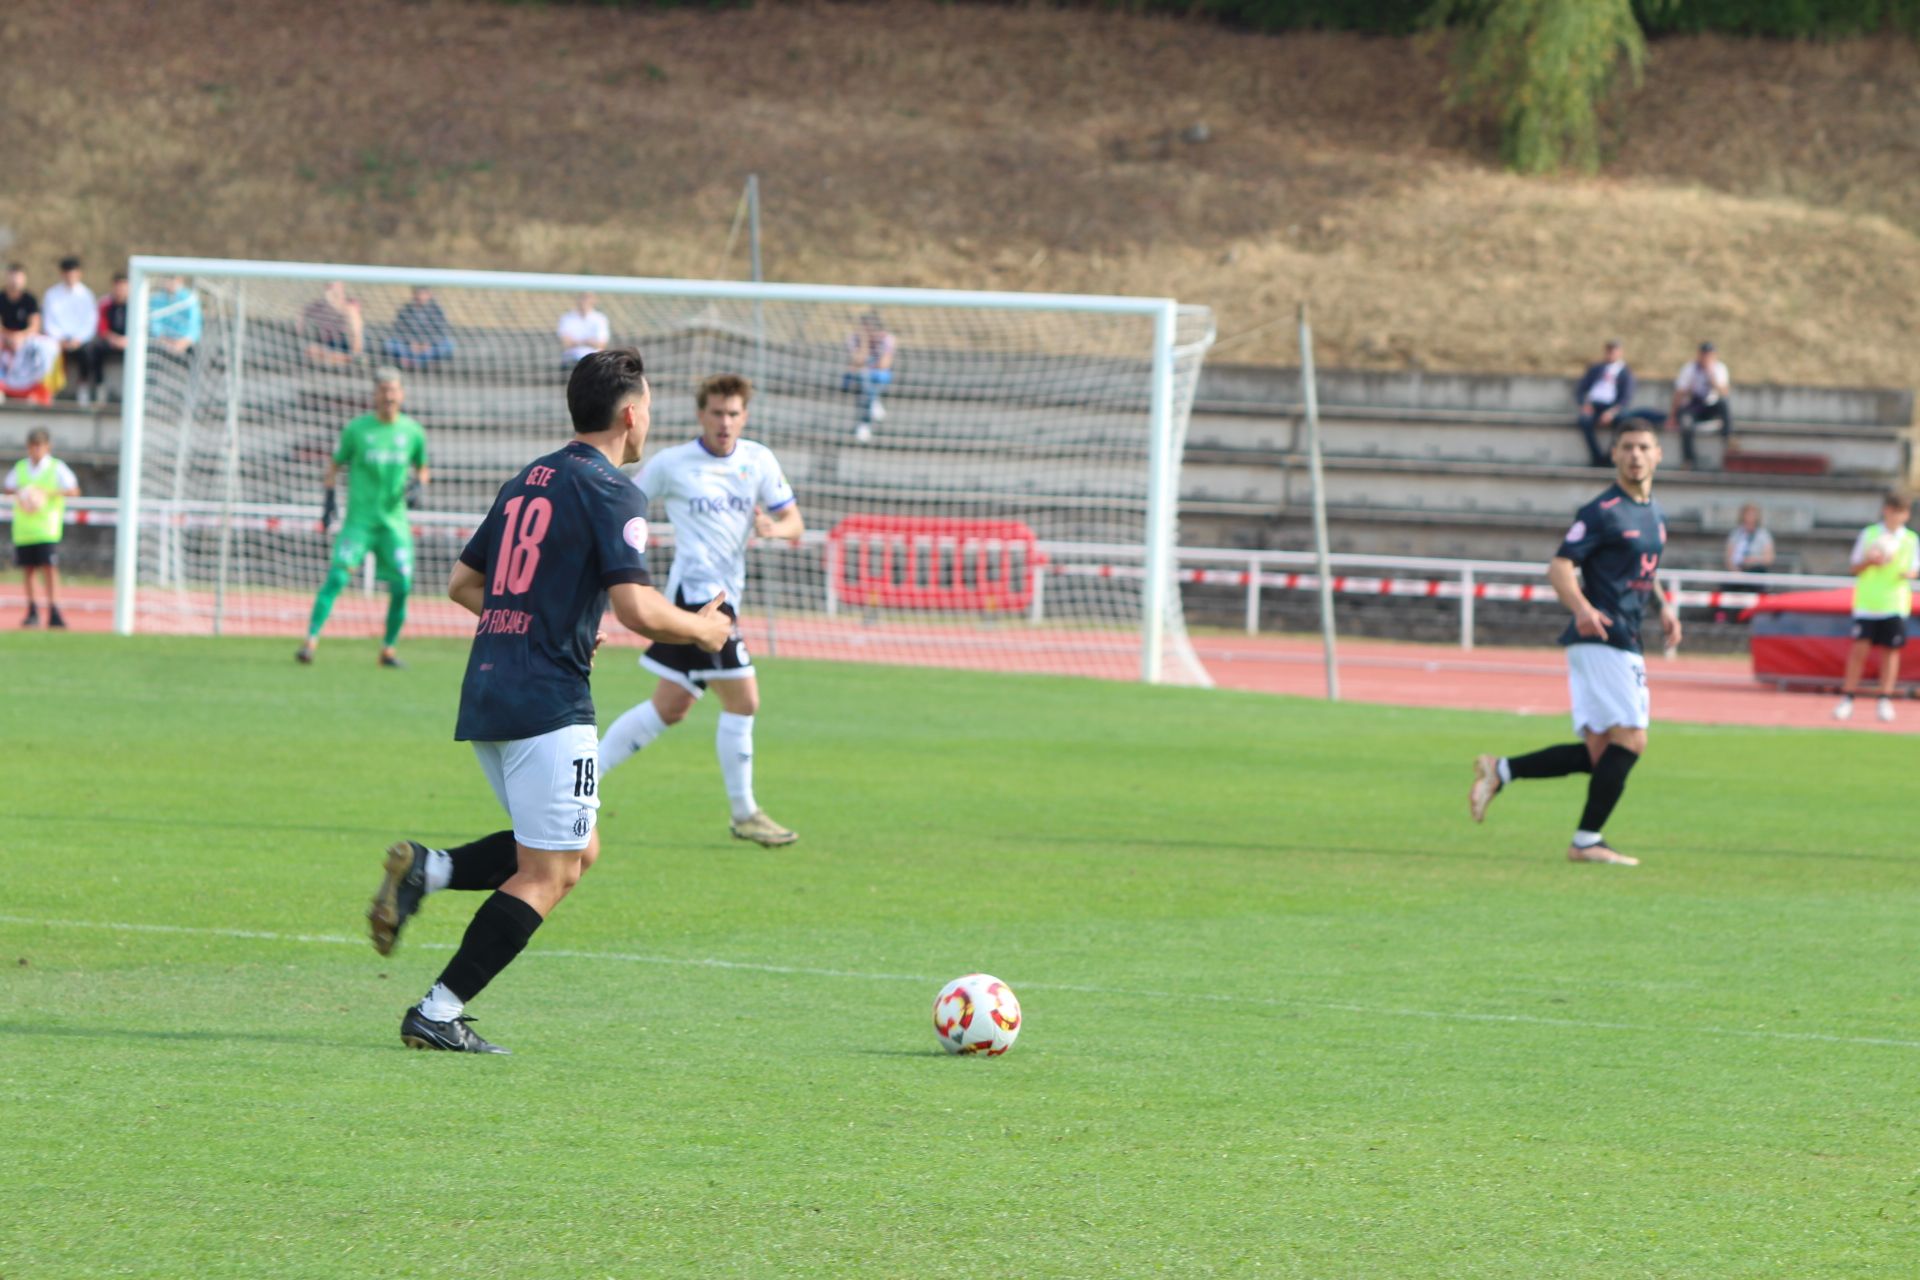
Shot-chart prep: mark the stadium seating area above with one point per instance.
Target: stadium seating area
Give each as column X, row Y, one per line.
column 1484, row 467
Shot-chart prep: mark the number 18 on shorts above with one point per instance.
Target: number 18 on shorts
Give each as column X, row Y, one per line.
column 548, row 785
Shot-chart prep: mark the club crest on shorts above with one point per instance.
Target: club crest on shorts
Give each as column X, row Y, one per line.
column 635, row 534
column 583, row 823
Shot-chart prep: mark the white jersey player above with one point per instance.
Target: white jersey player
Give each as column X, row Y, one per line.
column 716, row 491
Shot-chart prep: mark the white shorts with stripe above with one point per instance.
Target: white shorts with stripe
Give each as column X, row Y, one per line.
column 1609, row 688
column 548, row 785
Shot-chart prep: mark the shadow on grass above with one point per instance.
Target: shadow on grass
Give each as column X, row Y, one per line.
column 186, row 1037
column 200, row 822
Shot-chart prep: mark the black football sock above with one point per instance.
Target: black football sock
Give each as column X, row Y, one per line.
column 498, row 933
column 1551, row 762
column 487, row 863
column 1609, row 780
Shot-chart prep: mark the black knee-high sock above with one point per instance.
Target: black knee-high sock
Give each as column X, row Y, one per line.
column 498, row 933
column 1551, row 762
column 487, row 863
column 1609, row 780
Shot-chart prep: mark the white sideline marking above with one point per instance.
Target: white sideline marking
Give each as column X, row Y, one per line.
column 754, row 966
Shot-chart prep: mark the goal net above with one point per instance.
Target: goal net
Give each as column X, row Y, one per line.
column 1005, row 499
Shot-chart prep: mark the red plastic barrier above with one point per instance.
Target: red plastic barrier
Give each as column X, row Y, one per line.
column 934, row 562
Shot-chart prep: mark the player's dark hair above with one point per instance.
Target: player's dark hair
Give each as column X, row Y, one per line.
column 39, row 435
column 723, row 385
column 69, row 263
column 1895, row 500
column 599, row 383
column 1627, row 426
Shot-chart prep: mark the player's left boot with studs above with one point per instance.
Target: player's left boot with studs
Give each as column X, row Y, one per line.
column 403, row 884
column 1486, row 785
column 417, row 1031
column 763, row 830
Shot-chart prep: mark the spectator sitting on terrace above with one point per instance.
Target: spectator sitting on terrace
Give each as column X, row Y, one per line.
column 28, row 362
column 1603, row 394
column 1750, row 546
column 110, row 338
column 582, row 331
column 173, row 316
column 870, row 351
column 333, row 326
column 19, row 310
column 422, row 335
column 1700, row 393
column 72, row 317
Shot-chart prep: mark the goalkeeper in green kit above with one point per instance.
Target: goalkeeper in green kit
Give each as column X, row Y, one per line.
column 385, row 455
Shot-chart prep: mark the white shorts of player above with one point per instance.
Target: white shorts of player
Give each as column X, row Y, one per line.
column 1609, row 688
column 548, row 785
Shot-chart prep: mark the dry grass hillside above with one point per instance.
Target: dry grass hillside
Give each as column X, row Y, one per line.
column 1767, row 195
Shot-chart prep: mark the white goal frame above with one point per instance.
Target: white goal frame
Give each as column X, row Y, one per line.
column 1163, row 459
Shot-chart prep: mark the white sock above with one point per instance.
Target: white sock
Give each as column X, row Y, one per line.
column 733, row 743
column 441, row 1005
column 632, row 732
column 1585, row 839
column 1506, row 772
column 439, row 870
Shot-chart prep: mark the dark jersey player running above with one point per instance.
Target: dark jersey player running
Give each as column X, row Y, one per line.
column 565, row 537
column 1614, row 545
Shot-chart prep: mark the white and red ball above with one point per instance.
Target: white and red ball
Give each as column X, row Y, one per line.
column 976, row 1014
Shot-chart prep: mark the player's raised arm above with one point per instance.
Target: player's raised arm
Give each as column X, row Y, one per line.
column 644, row 610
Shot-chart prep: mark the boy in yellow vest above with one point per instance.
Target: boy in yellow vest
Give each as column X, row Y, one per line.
column 40, row 485
column 1886, row 558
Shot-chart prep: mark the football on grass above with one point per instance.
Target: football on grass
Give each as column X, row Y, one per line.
column 976, row 1014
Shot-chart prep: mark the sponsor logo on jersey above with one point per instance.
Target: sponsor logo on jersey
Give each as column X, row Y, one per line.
column 635, row 534
column 719, row 504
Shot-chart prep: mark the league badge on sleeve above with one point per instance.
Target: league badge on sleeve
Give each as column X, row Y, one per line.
column 635, row 534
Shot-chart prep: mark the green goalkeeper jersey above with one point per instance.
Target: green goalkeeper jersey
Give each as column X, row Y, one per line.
column 378, row 457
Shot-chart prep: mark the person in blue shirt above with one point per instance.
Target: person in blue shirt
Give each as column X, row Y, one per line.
column 565, row 538
column 173, row 315
column 1606, row 575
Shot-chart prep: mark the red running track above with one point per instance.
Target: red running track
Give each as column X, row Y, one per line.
column 1699, row 690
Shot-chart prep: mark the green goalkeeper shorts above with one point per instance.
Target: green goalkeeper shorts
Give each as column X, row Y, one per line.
column 392, row 550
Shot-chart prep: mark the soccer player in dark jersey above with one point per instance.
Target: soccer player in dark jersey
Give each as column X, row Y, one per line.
column 1605, row 575
column 565, row 537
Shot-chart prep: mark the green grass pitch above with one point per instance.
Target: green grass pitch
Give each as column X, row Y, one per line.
column 1287, row 1011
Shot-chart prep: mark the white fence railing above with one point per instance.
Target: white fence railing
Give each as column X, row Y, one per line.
column 1254, row 572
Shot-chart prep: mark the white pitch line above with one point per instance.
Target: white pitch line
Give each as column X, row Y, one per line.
column 808, row 971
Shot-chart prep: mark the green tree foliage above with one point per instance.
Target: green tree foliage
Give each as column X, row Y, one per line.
column 1541, row 68
column 1830, row 19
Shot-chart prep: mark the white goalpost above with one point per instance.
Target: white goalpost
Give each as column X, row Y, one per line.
column 1012, row 503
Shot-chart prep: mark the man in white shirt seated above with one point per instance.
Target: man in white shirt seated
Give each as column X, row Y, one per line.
column 71, row 316
column 1699, row 395
column 1750, row 546
column 583, row 331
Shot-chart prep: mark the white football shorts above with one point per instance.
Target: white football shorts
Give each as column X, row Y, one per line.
column 548, row 785
column 1609, row 688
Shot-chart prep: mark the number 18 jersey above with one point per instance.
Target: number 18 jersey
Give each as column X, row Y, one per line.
column 559, row 534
